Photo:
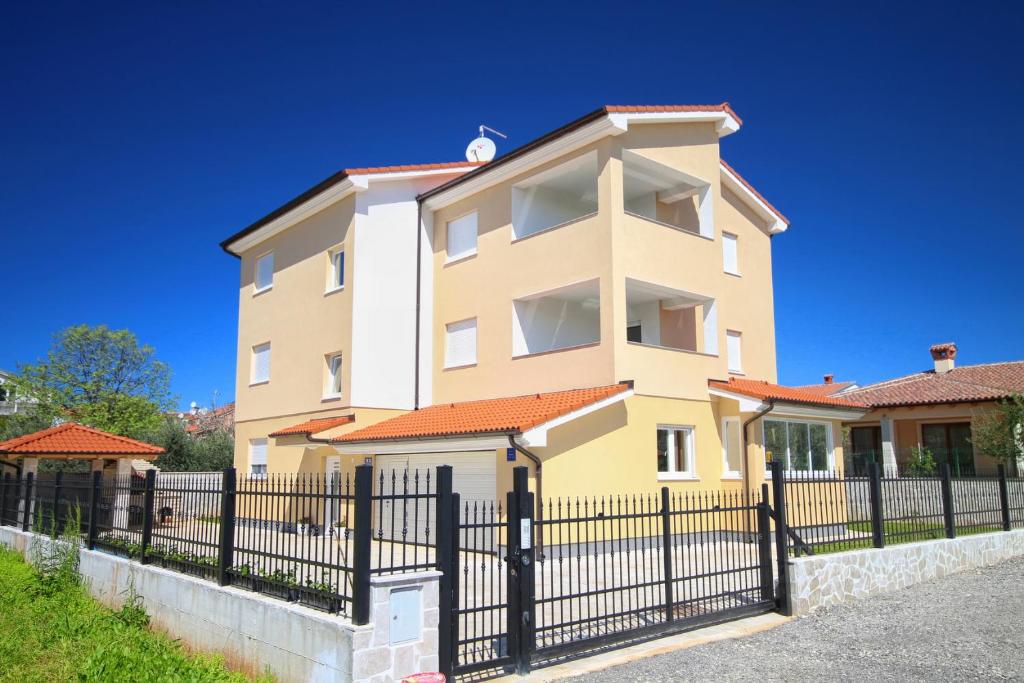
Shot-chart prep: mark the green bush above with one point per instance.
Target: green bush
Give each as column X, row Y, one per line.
column 921, row 463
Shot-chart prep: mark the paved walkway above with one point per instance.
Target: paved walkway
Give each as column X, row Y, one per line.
column 969, row 626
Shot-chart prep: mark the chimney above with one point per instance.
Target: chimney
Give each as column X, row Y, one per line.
column 829, row 379
column 943, row 355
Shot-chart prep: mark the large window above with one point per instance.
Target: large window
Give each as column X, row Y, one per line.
column 732, row 455
column 675, row 453
column 801, row 446
column 460, row 343
column 462, row 237
column 258, row 457
column 555, row 197
column 263, row 278
column 260, row 370
column 332, row 388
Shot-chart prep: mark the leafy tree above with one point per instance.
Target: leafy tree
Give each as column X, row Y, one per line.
column 999, row 433
column 209, row 452
column 100, row 377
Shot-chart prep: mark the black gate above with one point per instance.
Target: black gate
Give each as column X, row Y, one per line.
column 538, row 585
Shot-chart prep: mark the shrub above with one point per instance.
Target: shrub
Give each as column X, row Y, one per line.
column 921, row 463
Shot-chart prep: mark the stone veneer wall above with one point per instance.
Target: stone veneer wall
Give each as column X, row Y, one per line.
column 255, row 632
column 825, row 580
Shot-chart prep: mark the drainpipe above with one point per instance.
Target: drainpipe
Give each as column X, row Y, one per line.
column 419, row 266
column 746, row 459
column 540, row 500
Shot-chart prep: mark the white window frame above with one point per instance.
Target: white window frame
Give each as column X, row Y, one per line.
column 690, row 473
column 829, row 447
column 257, row 289
column 332, row 270
column 334, row 375
column 731, row 238
column 266, row 446
column 256, row 350
column 449, row 362
column 737, row 368
column 726, row 472
column 449, row 256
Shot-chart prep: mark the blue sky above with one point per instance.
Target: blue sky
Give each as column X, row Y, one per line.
column 135, row 137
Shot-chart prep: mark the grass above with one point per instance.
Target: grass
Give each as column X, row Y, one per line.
column 896, row 533
column 52, row 630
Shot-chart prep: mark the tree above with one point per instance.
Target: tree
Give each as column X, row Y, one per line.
column 999, row 433
column 210, row 452
column 99, row 377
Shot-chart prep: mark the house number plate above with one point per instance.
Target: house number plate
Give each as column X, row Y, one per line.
column 524, row 534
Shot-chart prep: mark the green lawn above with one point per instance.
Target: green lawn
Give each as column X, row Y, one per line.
column 908, row 533
column 51, row 630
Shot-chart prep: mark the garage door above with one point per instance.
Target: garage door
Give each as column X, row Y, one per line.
column 473, row 478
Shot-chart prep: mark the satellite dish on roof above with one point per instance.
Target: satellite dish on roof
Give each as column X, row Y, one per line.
column 483, row 148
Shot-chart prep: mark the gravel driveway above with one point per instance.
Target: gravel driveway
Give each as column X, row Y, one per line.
column 968, row 626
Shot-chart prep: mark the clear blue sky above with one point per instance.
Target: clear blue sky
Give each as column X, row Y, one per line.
column 134, row 138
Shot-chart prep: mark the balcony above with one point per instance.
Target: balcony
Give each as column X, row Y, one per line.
column 563, row 318
column 666, row 195
column 670, row 318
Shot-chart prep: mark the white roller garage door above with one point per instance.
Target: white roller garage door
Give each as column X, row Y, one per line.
column 473, row 478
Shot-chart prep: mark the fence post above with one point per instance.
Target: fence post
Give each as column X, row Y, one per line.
column 3, row 498
column 26, row 518
column 226, row 542
column 95, row 492
column 782, row 601
column 58, row 483
column 1004, row 497
column 875, row 503
column 764, row 546
column 445, row 534
column 147, row 514
column 947, row 501
column 521, row 619
column 361, row 545
column 666, row 553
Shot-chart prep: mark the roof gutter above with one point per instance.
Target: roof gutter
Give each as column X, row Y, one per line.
column 746, row 459
column 419, row 269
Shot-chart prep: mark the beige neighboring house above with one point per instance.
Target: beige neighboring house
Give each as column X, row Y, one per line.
column 931, row 409
column 596, row 304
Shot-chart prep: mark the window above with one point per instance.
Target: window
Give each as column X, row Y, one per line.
column 332, row 389
column 258, row 457
column 260, row 364
column 732, row 455
column 264, row 277
column 675, row 453
column 634, row 332
column 734, row 350
column 730, row 257
column 802, row 446
column 462, row 237
column 555, row 197
column 460, row 343
column 337, row 271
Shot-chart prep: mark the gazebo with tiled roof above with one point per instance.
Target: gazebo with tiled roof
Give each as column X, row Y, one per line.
column 72, row 441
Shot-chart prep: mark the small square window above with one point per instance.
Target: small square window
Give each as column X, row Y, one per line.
column 260, row 371
column 264, row 275
column 336, row 279
column 258, row 457
column 675, row 453
column 634, row 333
column 332, row 389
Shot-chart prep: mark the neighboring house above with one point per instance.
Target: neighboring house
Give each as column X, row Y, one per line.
column 933, row 409
column 198, row 421
column 829, row 387
column 10, row 403
column 598, row 301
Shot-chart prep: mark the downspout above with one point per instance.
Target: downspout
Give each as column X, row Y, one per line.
column 746, row 457
column 419, row 266
column 540, row 499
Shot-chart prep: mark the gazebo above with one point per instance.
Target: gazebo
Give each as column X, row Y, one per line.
column 72, row 441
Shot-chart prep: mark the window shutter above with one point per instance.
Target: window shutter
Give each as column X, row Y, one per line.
column 261, row 363
column 462, row 236
column 730, row 256
column 734, row 351
column 258, row 452
column 264, row 271
column 460, row 343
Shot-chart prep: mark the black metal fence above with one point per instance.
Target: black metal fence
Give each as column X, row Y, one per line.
column 309, row 538
column 829, row 512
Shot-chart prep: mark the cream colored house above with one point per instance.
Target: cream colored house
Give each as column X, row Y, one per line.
column 596, row 304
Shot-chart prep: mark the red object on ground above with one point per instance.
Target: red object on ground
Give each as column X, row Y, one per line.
column 425, row 677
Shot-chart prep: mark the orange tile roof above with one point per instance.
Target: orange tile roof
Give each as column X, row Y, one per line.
column 750, row 187
column 405, row 168
column 492, row 416
column 766, row 390
column 827, row 388
column 71, row 438
column 964, row 384
column 668, row 108
column 311, row 427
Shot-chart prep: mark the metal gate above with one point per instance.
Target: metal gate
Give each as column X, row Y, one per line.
column 533, row 586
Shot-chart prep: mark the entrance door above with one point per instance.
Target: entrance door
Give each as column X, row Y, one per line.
column 950, row 443
column 867, row 448
column 333, row 469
